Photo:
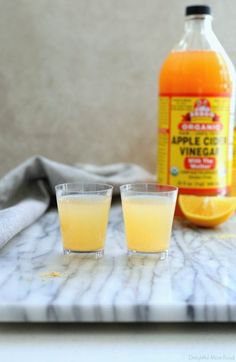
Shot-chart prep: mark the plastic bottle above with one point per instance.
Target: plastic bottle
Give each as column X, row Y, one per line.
column 196, row 111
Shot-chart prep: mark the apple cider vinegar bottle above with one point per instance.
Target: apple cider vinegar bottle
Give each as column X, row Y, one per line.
column 196, row 111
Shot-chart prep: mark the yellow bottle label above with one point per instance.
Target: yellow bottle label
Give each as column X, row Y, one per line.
column 233, row 189
column 194, row 151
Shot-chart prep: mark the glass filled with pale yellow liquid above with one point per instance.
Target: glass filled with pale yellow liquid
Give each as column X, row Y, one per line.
column 83, row 213
column 148, row 211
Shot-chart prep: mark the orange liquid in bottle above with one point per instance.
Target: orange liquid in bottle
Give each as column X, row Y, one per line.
column 195, row 73
column 200, row 72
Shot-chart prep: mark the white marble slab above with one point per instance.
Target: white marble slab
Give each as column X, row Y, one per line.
column 196, row 283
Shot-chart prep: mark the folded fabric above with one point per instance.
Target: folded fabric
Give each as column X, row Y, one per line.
column 26, row 191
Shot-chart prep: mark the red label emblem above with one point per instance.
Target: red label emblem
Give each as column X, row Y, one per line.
column 201, row 109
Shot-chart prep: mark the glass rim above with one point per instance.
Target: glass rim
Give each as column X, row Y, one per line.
column 65, row 186
column 161, row 188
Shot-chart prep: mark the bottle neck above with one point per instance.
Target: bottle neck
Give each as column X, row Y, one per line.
column 198, row 24
column 198, row 34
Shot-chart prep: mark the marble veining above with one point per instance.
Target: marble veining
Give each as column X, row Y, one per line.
column 196, row 283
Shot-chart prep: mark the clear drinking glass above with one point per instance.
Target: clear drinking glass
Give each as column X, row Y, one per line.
column 83, row 213
column 148, row 211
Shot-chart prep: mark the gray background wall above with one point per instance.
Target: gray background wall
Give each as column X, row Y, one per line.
column 78, row 77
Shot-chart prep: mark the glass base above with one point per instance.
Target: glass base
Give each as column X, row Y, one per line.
column 162, row 255
column 97, row 253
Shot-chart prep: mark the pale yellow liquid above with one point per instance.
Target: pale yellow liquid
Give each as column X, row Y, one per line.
column 83, row 221
column 148, row 222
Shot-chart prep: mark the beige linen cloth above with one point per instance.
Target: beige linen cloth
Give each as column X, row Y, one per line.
column 27, row 190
